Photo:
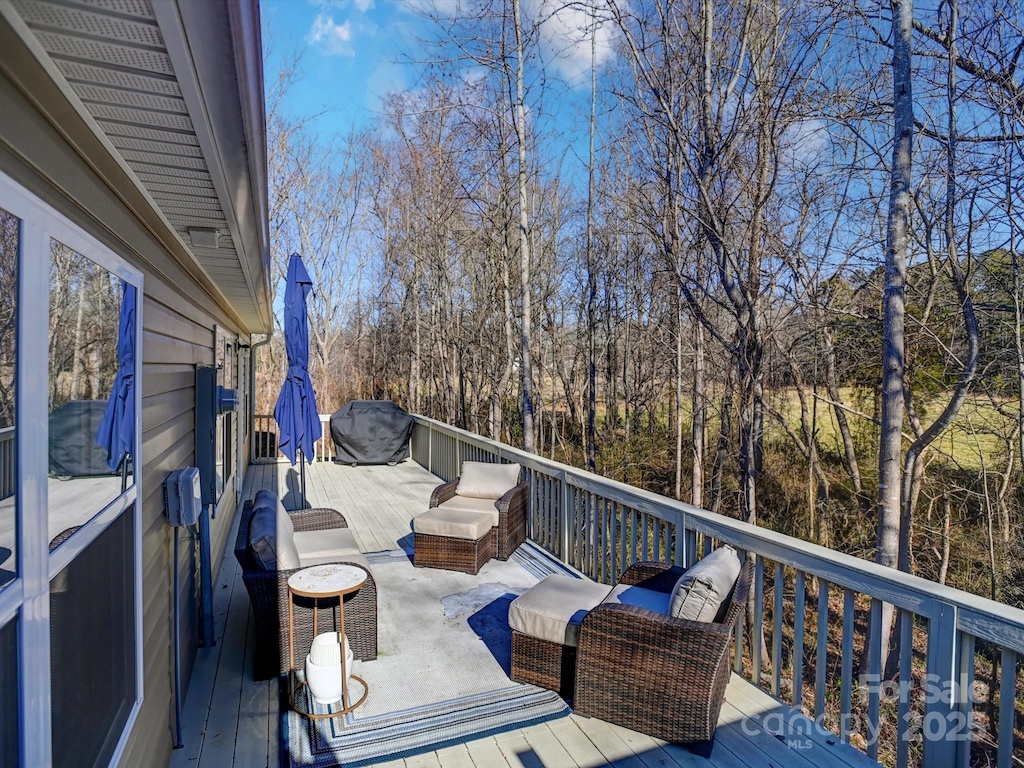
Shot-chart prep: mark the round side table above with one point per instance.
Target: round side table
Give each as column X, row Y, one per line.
column 334, row 580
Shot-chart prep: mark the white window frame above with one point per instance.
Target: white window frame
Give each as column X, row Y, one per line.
column 222, row 339
column 27, row 597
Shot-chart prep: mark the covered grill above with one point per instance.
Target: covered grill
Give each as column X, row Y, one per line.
column 371, row 432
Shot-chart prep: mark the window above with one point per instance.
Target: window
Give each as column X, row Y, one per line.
column 224, row 352
column 72, row 626
column 87, row 307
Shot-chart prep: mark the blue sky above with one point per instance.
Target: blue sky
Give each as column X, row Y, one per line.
column 353, row 53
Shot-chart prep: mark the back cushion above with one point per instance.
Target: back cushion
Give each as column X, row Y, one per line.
column 701, row 591
column 270, row 538
column 265, row 498
column 483, row 480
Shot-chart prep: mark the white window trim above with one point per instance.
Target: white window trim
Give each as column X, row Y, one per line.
column 29, row 593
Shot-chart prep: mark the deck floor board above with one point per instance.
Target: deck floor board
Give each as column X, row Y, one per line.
column 232, row 720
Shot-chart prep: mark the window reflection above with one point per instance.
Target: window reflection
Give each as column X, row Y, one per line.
column 9, row 242
column 91, row 339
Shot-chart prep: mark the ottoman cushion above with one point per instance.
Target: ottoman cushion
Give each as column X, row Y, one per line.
column 553, row 609
column 453, row 523
column 469, row 504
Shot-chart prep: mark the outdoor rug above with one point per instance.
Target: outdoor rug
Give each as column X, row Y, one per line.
column 441, row 676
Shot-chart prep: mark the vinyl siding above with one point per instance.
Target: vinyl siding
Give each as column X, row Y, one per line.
column 46, row 148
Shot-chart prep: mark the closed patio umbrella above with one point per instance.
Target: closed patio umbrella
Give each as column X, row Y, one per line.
column 298, row 420
column 117, row 429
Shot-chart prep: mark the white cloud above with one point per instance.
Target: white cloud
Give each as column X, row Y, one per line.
column 333, row 39
column 566, row 34
column 364, row 5
column 386, row 79
column 804, row 142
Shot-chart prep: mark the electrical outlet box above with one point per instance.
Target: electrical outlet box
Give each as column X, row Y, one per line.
column 227, row 399
column 183, row 496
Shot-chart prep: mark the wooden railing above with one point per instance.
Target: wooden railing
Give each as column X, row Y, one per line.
column 8, row 480
column 265, row 440
column 819, row 609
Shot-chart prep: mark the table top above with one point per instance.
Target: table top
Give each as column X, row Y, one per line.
column 328, row 580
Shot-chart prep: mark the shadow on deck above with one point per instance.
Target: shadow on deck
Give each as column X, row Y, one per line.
column 231, row 720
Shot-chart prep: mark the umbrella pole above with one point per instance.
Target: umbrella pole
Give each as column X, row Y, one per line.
column 302, row 478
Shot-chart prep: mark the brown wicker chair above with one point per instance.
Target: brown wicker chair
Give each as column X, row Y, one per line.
column 510, row 531
column 656, row 674
column 268, row 595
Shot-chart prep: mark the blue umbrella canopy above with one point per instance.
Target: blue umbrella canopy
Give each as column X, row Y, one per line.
column 117, row 430
column 298, row 420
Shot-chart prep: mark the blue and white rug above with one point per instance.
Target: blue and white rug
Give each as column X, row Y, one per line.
column 442, row 672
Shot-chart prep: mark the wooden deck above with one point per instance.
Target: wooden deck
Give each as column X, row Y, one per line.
column 230, row 720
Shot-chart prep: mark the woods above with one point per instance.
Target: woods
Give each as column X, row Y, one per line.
column 759, row 256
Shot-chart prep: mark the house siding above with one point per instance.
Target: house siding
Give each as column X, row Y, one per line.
column 46, row 147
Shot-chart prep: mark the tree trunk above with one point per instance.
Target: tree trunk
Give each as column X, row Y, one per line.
column 699, row 411
column 849, row 450
column 893, row 308
column 591, row 268
column 524, row 235
column 76, row 362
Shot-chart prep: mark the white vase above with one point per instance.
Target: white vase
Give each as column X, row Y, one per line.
column 323, row 667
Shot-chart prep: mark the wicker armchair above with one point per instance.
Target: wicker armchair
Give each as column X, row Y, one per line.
column 511, row 529
column 656, row 674
column 268, row 595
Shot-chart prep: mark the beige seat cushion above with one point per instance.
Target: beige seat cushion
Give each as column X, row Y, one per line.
column 553, row 609
column 650, row 599
column 317, row 547
column 453, row 523
column 701, row 591
column 469, row 504
column 336, row 557
column 484, row 480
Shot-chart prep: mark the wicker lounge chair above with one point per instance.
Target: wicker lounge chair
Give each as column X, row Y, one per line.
column 268, row 595
column 656, row 674
column 510, row 531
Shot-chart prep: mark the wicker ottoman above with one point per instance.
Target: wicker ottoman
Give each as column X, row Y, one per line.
column 545, row 622
column 452, row 539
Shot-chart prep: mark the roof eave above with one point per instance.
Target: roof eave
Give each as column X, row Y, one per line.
column 216, row 50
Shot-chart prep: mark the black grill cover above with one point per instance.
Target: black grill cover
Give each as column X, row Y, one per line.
column 371, row 432
column 74, row 451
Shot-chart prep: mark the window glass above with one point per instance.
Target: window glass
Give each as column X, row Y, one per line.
column 225, row 456
column 91, row 345
column 9, row 242
column 92, row 648
column 9, row 731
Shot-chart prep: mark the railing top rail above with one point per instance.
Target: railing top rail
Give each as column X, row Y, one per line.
column 979, row 616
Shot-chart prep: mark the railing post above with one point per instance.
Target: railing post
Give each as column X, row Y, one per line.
column 940, row 695
column 963, row 703
column 563, row 517
column 679, row 556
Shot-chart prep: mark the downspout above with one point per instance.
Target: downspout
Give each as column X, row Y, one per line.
column 253, row 346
